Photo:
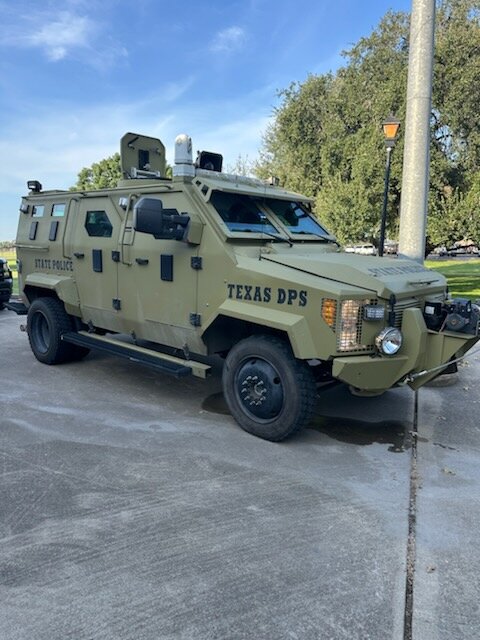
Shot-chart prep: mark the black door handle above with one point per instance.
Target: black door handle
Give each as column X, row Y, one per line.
column 141, row 260
column 79, row 255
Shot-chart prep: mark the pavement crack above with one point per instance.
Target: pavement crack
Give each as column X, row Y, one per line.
column 444, row 446
column 412, row 521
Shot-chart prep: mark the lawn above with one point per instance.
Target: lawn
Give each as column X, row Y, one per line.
column 463, row 276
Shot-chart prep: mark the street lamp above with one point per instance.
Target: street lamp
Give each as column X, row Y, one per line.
column 390, row 130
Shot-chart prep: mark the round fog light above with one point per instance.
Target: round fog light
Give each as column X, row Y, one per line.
column 389, row 341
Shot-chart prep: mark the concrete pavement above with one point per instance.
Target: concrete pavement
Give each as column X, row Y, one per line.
column 132, row 506
column 447, row 582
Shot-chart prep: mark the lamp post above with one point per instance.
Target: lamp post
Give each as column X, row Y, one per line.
column 390, row 130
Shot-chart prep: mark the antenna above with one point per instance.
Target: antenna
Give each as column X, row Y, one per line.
column 261, row 228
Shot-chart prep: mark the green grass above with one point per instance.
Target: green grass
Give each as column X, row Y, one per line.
column 463, row 276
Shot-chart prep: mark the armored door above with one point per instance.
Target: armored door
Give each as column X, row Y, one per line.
column 158, row 281
column 95, row 255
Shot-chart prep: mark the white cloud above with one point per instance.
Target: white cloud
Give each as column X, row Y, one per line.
column 228, row 40
column 174, row 90
column 60, row 35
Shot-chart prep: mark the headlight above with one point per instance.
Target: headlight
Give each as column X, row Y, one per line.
column 349, row 337
column 348, row 319
column 389, row 341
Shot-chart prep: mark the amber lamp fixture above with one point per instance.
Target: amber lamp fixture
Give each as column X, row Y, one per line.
column 390, row 131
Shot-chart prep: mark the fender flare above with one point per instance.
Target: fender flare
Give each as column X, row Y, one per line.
column 64, row 287
column 294, row 325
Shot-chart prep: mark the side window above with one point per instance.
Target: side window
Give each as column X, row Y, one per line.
column 97, row 224
column 58, row 210
column 37, row 210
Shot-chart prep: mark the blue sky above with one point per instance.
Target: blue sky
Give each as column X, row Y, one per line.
column 75, row 75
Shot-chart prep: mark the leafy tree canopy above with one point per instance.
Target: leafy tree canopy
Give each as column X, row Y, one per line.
column 103, row 174
column 326, row 138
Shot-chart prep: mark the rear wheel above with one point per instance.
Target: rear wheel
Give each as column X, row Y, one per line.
column 269, row 392
column 47, row 321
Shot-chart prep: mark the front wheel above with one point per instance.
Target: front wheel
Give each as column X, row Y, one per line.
column 269, row 392
column 47, row 321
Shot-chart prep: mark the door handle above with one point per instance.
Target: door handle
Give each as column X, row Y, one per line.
column 141, row 261
column 79, row 255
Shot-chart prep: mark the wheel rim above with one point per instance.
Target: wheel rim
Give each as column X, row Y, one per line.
column 40, row 332
column 259, row 389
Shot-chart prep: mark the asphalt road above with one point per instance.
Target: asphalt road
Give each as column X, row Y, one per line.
column 133, row 507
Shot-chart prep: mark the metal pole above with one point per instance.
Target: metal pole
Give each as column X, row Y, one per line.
column 381, row 243
column 415, row 179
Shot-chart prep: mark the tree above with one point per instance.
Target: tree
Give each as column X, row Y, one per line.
column 104, row 174
column 326, row 138
column 242, row 166
column 101, row 175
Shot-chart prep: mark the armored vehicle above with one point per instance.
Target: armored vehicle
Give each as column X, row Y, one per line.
column 6, row 283
column 170, row 271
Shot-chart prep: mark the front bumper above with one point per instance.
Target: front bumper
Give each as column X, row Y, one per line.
column 422, row 350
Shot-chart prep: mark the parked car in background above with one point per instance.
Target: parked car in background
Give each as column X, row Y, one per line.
column 366, row 249
column 463, row 247
column 390, row 247
column 457, row 251
column 6, row 283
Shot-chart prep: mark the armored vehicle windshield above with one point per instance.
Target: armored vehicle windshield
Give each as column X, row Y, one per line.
column 247, row 214
column 296, row 218
column 241, row 212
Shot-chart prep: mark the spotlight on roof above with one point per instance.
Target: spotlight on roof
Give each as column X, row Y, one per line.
column 34, row 186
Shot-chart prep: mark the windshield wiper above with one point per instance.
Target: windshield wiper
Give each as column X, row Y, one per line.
column 317, row 235
column 267, row 233
column 274, row 235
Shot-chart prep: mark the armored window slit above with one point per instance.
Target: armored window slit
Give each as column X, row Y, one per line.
column 97, row 260
column 166, row 267
column 33, row 230
column 52, row 236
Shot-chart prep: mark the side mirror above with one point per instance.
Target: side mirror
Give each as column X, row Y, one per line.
column 149, row 216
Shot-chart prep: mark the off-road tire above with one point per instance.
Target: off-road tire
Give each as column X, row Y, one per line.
column 269, row 392
column 47, row 321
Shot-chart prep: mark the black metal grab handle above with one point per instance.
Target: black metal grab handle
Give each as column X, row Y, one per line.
column 79, row 255
column 141, row 260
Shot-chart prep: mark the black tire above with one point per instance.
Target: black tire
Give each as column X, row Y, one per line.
column 2, row 306
column 269, row 392
column 47, row 321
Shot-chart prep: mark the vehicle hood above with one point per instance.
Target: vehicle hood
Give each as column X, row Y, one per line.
column 384, row 276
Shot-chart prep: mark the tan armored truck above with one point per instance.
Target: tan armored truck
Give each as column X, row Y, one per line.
column 209, row 263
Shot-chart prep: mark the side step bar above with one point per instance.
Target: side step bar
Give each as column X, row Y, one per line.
column 159, row 361
column 19, row 308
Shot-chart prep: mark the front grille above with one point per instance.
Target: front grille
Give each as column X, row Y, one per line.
column 354, row 335
column 400, row 306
